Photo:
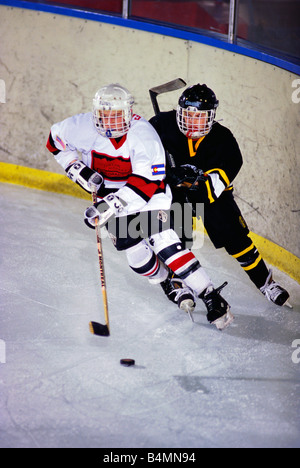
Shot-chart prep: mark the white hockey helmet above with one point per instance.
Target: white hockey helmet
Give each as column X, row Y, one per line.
column 112, row 110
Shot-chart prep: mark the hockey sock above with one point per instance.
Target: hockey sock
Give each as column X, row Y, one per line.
column 253, row 264
column 181, row 261
column 143, row 261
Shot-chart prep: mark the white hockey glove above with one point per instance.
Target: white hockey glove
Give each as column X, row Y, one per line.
column 85, row 176
column 104, row 210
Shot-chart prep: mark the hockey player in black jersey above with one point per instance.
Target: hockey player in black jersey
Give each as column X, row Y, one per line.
column 204, row 158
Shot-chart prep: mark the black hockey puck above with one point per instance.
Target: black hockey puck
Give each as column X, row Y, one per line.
column 127, row 362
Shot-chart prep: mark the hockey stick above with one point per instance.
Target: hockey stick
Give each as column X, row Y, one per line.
column 164, row 88
column 95, row 327
column 178, row 83
column 161, row 89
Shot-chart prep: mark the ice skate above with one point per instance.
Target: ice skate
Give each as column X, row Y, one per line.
column 218, row 310
column 177, row 292
column 274, row 292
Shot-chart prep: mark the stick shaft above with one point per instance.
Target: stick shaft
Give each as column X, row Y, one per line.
column 101, row 265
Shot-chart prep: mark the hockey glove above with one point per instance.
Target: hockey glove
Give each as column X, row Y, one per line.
column 187, row 176
column 84, row 176
column 104, row 210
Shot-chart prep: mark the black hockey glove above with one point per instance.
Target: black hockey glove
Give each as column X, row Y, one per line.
column 104, row 210
column 86, row 177
column 187, row 176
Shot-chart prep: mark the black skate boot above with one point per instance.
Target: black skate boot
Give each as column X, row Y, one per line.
column 176, row 291
column 218, row 310
column 274, row 292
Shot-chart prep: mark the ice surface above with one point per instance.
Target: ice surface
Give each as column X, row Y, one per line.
column 192, row 386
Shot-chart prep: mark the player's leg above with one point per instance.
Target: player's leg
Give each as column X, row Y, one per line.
column 127, row 236
column 227, row 228
column 185, row 266
column 253, row 264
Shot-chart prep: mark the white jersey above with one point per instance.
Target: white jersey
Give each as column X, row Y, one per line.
column 133, row 165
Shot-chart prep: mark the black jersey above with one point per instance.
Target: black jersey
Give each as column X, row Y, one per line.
column 217, row 153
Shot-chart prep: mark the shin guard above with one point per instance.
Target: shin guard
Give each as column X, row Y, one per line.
column 181, row 261
column 143, row 261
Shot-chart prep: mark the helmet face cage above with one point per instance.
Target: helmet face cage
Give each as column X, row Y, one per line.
column 196, row 111
column 112, row 111
column 195, row 123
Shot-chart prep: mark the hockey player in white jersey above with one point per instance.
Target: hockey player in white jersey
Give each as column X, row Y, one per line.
column 122, row 154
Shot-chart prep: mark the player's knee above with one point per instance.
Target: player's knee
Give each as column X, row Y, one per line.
column 143, row 261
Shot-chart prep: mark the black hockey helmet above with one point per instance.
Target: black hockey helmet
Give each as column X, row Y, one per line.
column 196, row 111
column 199, row 96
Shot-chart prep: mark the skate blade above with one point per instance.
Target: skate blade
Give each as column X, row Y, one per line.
column 288, row 304
column 223, row 322
column 188, row 306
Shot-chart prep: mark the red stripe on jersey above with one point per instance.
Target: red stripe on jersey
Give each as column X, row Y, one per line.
column 111, row 168
column 144, row 187
column 50, row 145
column 181, row 261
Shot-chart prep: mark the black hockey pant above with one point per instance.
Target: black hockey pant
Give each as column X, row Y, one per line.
column 226, row 227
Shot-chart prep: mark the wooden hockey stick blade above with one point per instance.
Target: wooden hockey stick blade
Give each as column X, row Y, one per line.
column 99, row 329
